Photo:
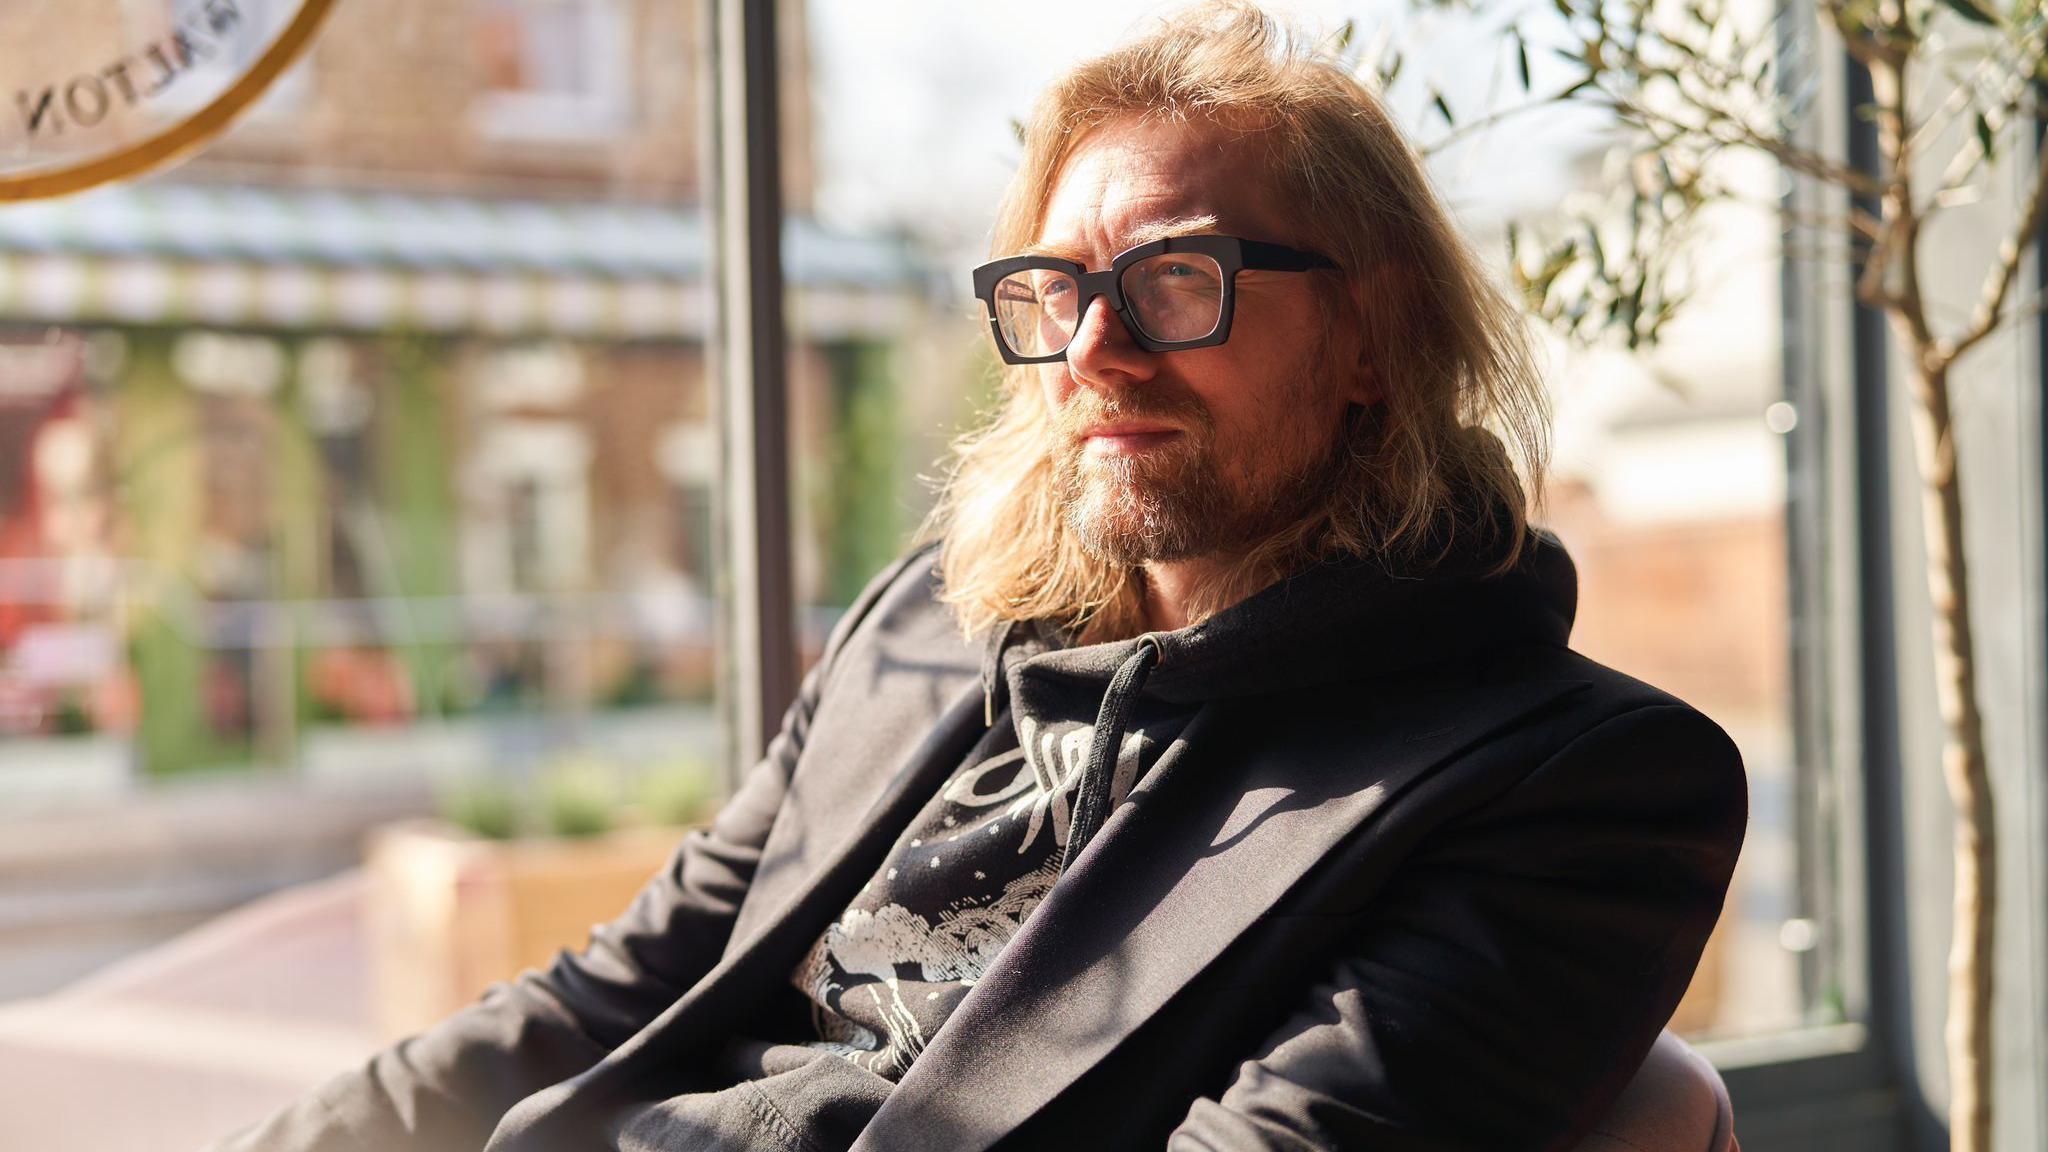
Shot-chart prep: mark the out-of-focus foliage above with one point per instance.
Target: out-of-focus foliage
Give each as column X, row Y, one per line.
column 682, row 791
column 583, row 795
column 579, row 798
column 1684, row 81
column 486, row 808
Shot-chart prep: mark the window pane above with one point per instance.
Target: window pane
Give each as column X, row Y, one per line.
column 1670, row 493
column 360, row 469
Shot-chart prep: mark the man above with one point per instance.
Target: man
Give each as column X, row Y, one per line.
column 1216, row 777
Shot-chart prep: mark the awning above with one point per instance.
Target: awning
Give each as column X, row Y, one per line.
column 238, row 255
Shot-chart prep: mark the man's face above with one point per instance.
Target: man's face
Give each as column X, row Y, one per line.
column 1179, row 455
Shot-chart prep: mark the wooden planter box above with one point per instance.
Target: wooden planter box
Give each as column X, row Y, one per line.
column 450, row 914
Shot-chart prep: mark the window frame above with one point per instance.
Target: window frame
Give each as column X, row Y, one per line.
column 749, row 355
column 1838, row 1085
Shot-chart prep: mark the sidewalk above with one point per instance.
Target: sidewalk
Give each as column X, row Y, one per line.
column 192, row 1039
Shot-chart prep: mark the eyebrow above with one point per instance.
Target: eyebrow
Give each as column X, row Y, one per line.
column 1142, row 234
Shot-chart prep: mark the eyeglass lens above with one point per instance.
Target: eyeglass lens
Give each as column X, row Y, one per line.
column 1171, row 297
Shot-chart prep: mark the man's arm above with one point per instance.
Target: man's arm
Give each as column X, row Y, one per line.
column 446, row 1088
column 1502, row 992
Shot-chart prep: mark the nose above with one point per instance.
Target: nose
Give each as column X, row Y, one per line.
column 1102, row 352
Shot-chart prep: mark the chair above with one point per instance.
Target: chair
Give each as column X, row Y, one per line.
column 1675, row 1103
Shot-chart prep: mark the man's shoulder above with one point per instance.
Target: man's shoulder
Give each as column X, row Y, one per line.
column 908, row 585
column 1575, row 696
column 1606, row 690
column 1626, row 711
column 899, row 617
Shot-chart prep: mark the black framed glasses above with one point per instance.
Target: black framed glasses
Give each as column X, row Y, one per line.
column 1172, row 294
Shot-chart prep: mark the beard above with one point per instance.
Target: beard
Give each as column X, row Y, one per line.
column 1179, row 500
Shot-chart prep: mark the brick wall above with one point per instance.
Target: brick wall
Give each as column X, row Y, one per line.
column 393, row 99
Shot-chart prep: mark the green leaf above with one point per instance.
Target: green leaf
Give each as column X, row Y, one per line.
column 1985, row 137
column 1522, row 58
column 1968, row 10
column 1344, row 33
column 1436, row 100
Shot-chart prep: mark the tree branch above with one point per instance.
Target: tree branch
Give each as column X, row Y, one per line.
column 1999, row 282
column 1790, row 155
column 2018, row 83
column 2017, row 80
column 1471, row 126
column 2018, row 312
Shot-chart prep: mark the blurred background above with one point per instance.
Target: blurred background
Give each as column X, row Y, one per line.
column 360, row 508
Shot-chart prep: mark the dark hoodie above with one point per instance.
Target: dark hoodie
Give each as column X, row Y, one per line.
column 1072, row 729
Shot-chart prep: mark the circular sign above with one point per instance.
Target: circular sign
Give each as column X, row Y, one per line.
column 98, row 90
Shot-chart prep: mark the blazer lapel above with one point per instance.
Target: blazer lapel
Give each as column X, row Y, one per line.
column 849, row 794
column 772, row 950
column 1198, row 852
column 563, row 1115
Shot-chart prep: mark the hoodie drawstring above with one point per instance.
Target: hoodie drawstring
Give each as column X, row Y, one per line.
column 1091, row 802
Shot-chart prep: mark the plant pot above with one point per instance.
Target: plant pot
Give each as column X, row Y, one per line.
column 450, row 914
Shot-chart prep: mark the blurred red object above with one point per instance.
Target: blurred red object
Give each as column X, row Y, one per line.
column 364, row 686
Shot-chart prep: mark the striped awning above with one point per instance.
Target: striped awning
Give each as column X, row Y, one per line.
column 162, row 252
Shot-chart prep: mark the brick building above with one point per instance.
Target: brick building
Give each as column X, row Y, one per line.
column 397, row 393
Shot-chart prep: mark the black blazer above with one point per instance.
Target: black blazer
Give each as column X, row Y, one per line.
column 1443, row 911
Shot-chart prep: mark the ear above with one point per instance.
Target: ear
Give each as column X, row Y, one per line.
column 1366, row 290
column 1364, row 388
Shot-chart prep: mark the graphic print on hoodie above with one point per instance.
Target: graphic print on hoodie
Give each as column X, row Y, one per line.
column 973, row 864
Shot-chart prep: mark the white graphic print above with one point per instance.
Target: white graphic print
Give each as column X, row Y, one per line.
column 956, row 889
column 959, row 948
column 1055, row 763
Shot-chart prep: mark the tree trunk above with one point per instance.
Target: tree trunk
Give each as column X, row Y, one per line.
column 1976, row 868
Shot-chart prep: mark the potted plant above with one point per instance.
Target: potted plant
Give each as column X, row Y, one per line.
column 508, row 876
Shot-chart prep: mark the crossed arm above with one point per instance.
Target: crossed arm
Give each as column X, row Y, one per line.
column 446, row 1088
column 1520, row 965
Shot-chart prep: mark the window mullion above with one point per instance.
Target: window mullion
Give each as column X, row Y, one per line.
column 749, row 352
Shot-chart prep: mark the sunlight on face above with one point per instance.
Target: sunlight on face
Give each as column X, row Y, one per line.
column 1178, row 455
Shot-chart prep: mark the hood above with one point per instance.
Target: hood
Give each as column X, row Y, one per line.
column 1342, row 619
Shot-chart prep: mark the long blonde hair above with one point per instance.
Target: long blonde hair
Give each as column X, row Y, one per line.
column 1449, row 351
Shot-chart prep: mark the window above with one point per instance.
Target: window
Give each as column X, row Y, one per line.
column 552, row 69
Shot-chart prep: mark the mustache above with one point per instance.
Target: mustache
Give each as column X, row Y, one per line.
column 1089, row 408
